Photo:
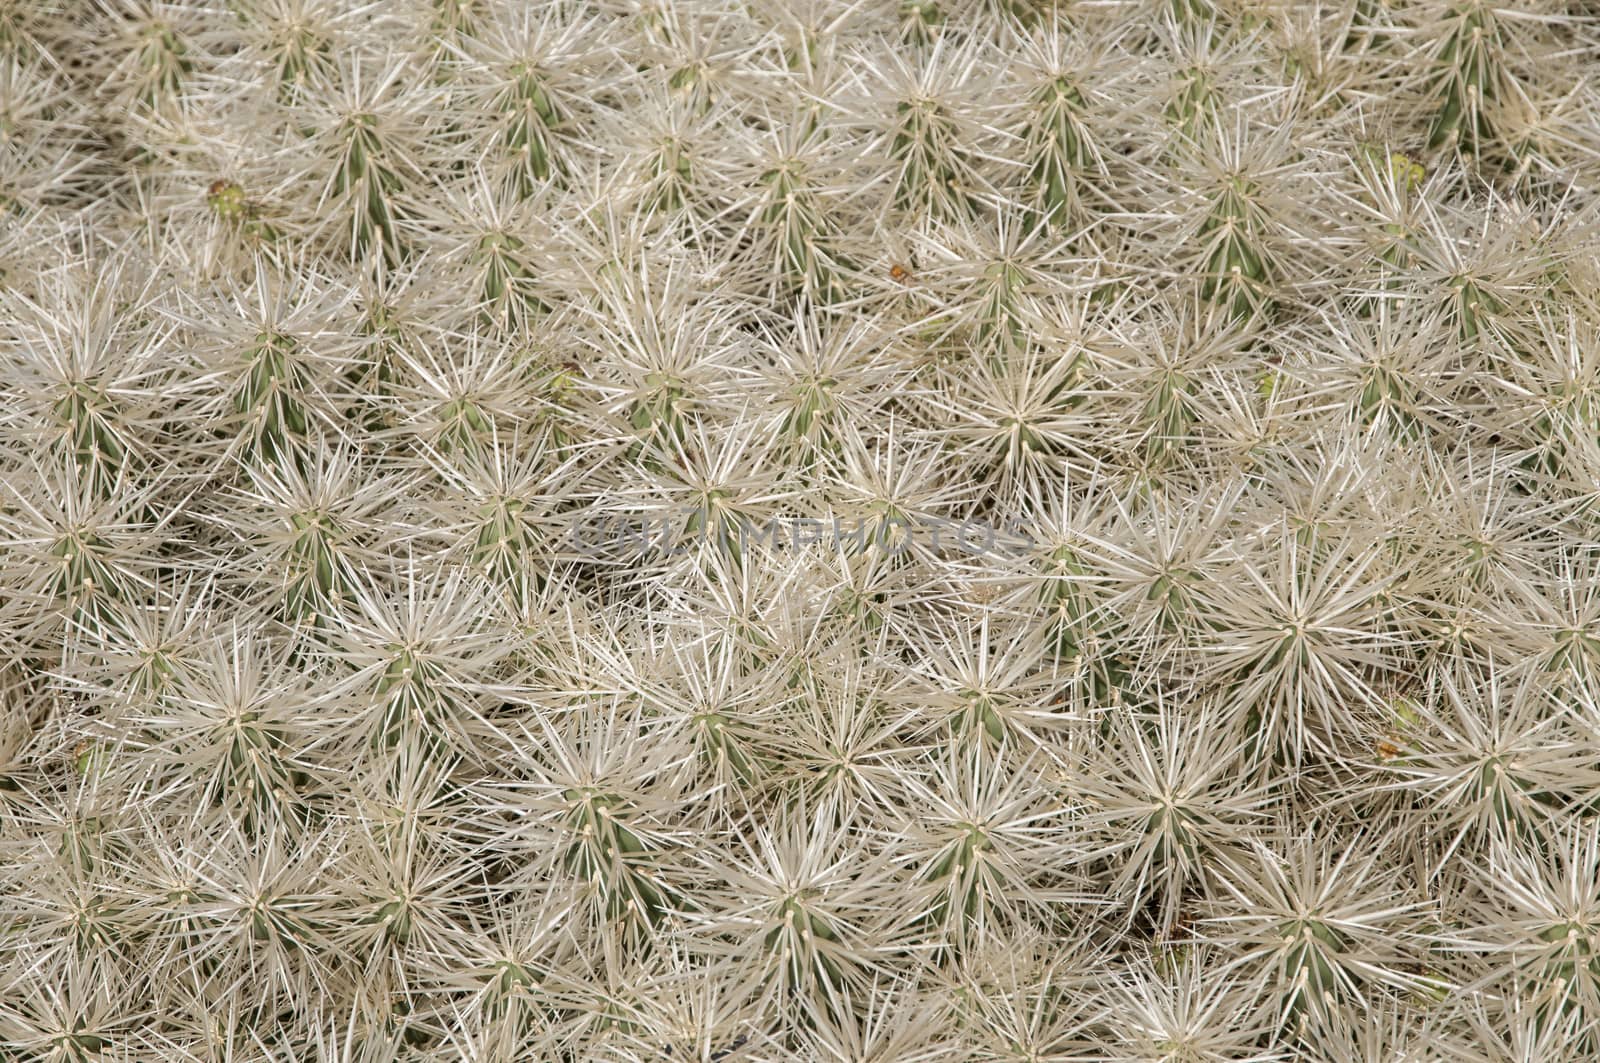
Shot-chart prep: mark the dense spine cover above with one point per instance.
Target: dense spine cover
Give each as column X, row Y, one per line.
column 799, row 530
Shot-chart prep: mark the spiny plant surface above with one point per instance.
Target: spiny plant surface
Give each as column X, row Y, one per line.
column 1168, row 438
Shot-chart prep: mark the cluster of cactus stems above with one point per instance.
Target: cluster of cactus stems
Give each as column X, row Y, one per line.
column 1252, row 346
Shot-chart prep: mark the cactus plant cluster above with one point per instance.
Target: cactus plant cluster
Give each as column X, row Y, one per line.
column 1247, row 352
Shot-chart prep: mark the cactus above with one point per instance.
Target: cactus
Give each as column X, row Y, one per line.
column 791, row 529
